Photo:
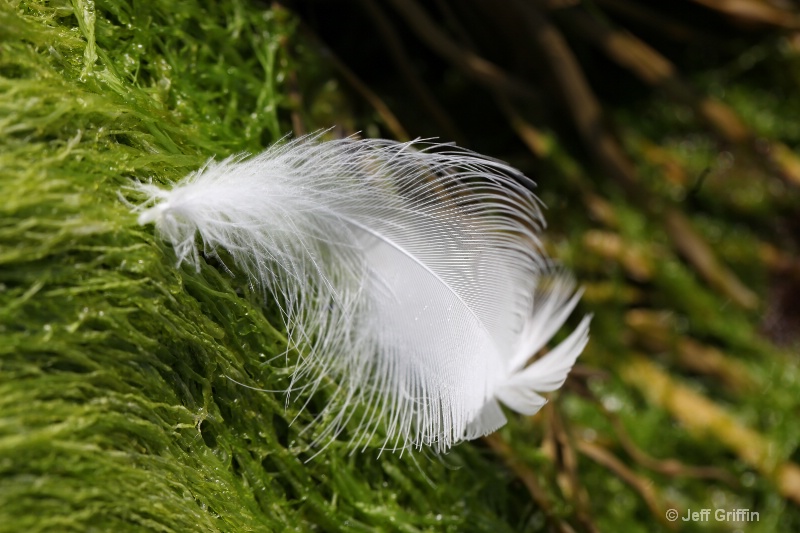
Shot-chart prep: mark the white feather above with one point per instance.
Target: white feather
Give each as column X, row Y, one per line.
column 410, row 273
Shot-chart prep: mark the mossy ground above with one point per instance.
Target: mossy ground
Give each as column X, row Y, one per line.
column 124, row 399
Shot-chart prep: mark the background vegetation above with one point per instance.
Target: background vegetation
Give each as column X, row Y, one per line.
column 662, row 136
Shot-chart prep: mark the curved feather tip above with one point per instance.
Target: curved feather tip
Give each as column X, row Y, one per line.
column 411, row 273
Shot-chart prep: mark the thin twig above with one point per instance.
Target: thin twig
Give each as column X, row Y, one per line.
column 397, row 51
column 485, row 72
column 641, row 12
column 667, row 467
column 644, row 487
column 755, row 11
column 702, row 258
column 567, row 461
column 528, row 478
column 389, row 118
column 583, row 106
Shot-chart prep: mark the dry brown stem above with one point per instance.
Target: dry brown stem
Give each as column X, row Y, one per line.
column 584, row 108
column 528, row 478
column 643, row 486
column 699, row 254
column 754, row 11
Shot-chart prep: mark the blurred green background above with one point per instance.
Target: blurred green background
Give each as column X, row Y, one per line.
column 663, row 136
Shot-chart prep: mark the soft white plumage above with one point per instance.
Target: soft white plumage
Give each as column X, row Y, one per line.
column 412, row 277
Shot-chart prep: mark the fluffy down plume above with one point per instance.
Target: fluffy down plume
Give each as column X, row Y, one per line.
column 410, row 273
